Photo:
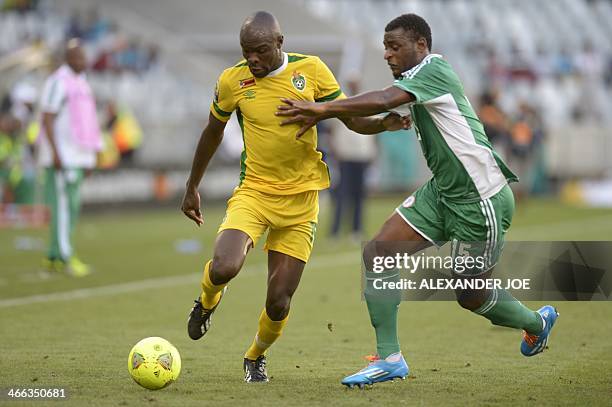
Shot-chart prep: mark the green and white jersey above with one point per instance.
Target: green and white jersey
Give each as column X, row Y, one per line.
column 464, row 165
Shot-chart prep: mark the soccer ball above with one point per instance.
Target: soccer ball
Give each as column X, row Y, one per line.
column 154, row 363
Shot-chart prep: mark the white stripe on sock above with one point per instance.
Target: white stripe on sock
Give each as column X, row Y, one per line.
column 495, row 230
column 491, row 304
column 63, row 215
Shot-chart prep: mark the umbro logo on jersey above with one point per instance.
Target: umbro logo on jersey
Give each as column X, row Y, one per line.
column 298, row 80
column 245, row 83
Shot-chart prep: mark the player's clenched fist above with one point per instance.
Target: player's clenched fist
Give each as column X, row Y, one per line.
column 191, row 206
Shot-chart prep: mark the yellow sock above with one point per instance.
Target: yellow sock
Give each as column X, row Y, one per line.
column 210, row 292
column 268, row 332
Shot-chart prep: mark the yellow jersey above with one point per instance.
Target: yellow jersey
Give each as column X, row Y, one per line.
column 273, row 161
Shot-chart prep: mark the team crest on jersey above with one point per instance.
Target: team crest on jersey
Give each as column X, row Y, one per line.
column 298, row 80
column 245, row 83
column 409, row 202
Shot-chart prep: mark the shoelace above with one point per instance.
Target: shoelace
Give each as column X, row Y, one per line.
column 198, row 303
column 530, row 339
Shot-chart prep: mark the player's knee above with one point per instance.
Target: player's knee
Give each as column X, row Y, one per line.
column 277, row 308
column 223, row 269
column 369, row 252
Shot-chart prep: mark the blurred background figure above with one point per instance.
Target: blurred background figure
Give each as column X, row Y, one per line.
column 526, row 135
column 9, row 156
column 23, row 99
column 495, row 122
column 69, row 145
column 124, row 132
column 590, row 68
column 17, row 135
column 353, row 153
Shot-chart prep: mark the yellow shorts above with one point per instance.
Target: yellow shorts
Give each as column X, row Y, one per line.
column 292, row 219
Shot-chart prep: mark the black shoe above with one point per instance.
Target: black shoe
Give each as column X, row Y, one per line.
column 255, row 370
column 198, row 322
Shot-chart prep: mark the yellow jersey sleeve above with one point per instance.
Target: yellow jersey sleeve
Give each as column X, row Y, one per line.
column 223, row 103
column 327, row 87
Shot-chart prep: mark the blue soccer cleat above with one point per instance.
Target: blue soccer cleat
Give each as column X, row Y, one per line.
column 533, row 344
column 379, row 370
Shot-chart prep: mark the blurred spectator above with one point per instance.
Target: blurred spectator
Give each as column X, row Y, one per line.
column 608, row 72
column 110, row 49
column 495, row 71
column 545, row 66
column 124, row 130
column 526, row 134
column 564, row 66
column 494, row 121
column 20, row 6
column 23, row 98
column 131, row 58
column 590, row 66
column 94, row 27
column 90, row 28
column 152, row 58
column 9, row 156
column 74, row 28
column 354, row 152
column 68, row 148
column 521, row 67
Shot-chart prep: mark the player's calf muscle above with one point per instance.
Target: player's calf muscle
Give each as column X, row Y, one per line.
column 471, row 299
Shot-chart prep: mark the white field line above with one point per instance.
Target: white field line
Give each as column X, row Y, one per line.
column 596, row 221
column 318, row 262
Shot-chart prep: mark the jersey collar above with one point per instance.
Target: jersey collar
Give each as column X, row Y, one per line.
column 67, row 70
column 418, row 66
column 280, row 68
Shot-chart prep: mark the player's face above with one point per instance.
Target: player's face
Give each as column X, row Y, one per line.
column 76, row 60
column 401, row 51
column 262, row 55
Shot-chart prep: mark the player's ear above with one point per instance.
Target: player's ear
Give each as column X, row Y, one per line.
column 422, row 44
column 279, row 41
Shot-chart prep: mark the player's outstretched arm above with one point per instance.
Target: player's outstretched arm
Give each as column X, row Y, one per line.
column 365, row 104
column 207, row 146
column 378, row 124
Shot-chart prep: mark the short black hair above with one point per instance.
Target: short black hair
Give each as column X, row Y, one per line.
column 413, row 23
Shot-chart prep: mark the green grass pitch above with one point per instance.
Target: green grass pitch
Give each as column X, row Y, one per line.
column 76, row 333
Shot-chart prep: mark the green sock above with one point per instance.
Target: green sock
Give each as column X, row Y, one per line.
column 501, row 308
column 383, row 306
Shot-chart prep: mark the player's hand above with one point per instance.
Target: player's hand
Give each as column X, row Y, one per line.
column 394, row 122
column 191, row 206
column 57, row 162
column 301, row 112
